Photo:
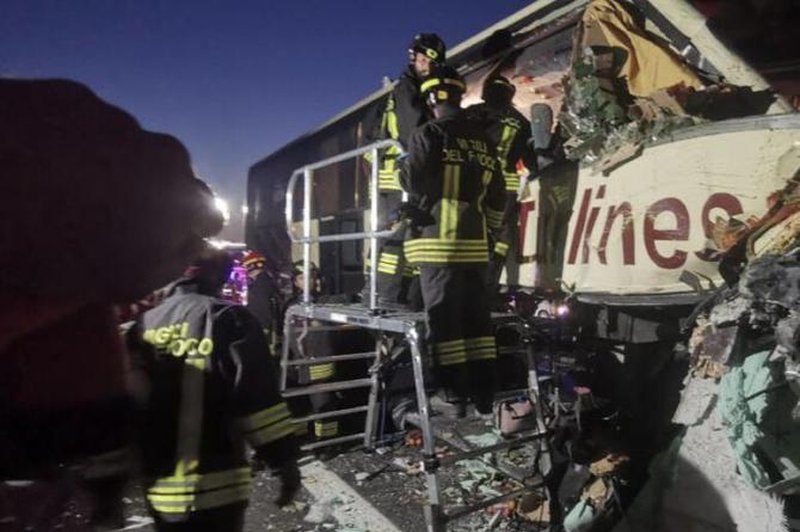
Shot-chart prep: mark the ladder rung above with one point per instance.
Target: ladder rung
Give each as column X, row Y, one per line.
column 332, row 413
column 332, row 441
column 327, row 387
column 319, row 328
column 332, row 358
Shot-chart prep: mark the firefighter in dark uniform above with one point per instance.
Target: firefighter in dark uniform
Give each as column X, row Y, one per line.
column 510, row 132
column 263, row 296
column 405, row 110
column 212, row 388
column 456, row 187
column 311, row 344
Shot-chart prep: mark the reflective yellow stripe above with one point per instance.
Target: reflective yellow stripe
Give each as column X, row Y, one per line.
column 480, row 348
column 388, row 263
column 442, row 251
column 505, row 144
column 430, row 243
column 445, row 258
column 267, row 425
column 501, row 248
column 391, row 119
column 512, row 180
column 442, row 81
column 179, row 504
column 326, row 429
column 200, row 482
column 267, row 416
column 321, row 371
column 186, row 493
column 271, row 433
column 448, row 223
column 479, row 341
column 494, row 218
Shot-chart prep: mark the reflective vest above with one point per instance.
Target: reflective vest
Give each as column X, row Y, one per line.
column 214, row 386
column 453, row 170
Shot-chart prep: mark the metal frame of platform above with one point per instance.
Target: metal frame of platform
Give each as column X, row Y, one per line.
column 410, row 325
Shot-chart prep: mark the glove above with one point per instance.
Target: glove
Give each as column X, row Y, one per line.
column 290, row 483
column 416, row 216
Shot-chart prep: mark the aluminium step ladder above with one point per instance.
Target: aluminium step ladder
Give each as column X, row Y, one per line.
column 410, row 326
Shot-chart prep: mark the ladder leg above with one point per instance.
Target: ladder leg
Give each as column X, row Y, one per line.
column 371, row 423
column 536, row 396
column 434, row 516
column 287, row 330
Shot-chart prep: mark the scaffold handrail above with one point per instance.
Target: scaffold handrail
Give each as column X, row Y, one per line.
column 307, row 240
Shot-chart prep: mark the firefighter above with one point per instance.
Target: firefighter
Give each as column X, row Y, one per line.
column 263, row 296
column 456, row 187
column 212, row 387
column 311, row 344
column 405, row 110
column 510, row 132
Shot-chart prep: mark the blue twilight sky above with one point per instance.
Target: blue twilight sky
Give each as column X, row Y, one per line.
column 233, row 80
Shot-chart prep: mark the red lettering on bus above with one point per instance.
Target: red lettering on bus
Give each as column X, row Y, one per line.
column 580, row 224
column 720, row 200
column 679, row 233
column 628, row 237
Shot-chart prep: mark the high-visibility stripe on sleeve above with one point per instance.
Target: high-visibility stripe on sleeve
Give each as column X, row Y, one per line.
column 494, row 219
column 512, row 181
column 388, row 263
column 501, row 248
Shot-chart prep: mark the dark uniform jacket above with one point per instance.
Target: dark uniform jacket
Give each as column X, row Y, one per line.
column 453, row 173
column 510, row 132
column 405, row 111
column 213, row 387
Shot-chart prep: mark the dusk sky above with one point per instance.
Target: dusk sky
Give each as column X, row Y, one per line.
column 233, row 80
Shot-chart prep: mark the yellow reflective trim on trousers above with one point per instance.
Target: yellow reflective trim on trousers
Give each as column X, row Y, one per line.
column 501, row 248
column 476, row 255
column 301, row 429
column 179, row 504
column 326, row 429
column 321, row 371
column 449, row 259
column 200, row 481
column 452, row 359
column 480, row 341
column 460, row 244
column 267, row 416
column 271, row 433
column 482, row 354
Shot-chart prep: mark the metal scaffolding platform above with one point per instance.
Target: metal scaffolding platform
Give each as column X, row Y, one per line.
column 410, row 327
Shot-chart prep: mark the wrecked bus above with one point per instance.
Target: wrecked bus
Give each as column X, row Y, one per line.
column 662, row 139
column 626, row 214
